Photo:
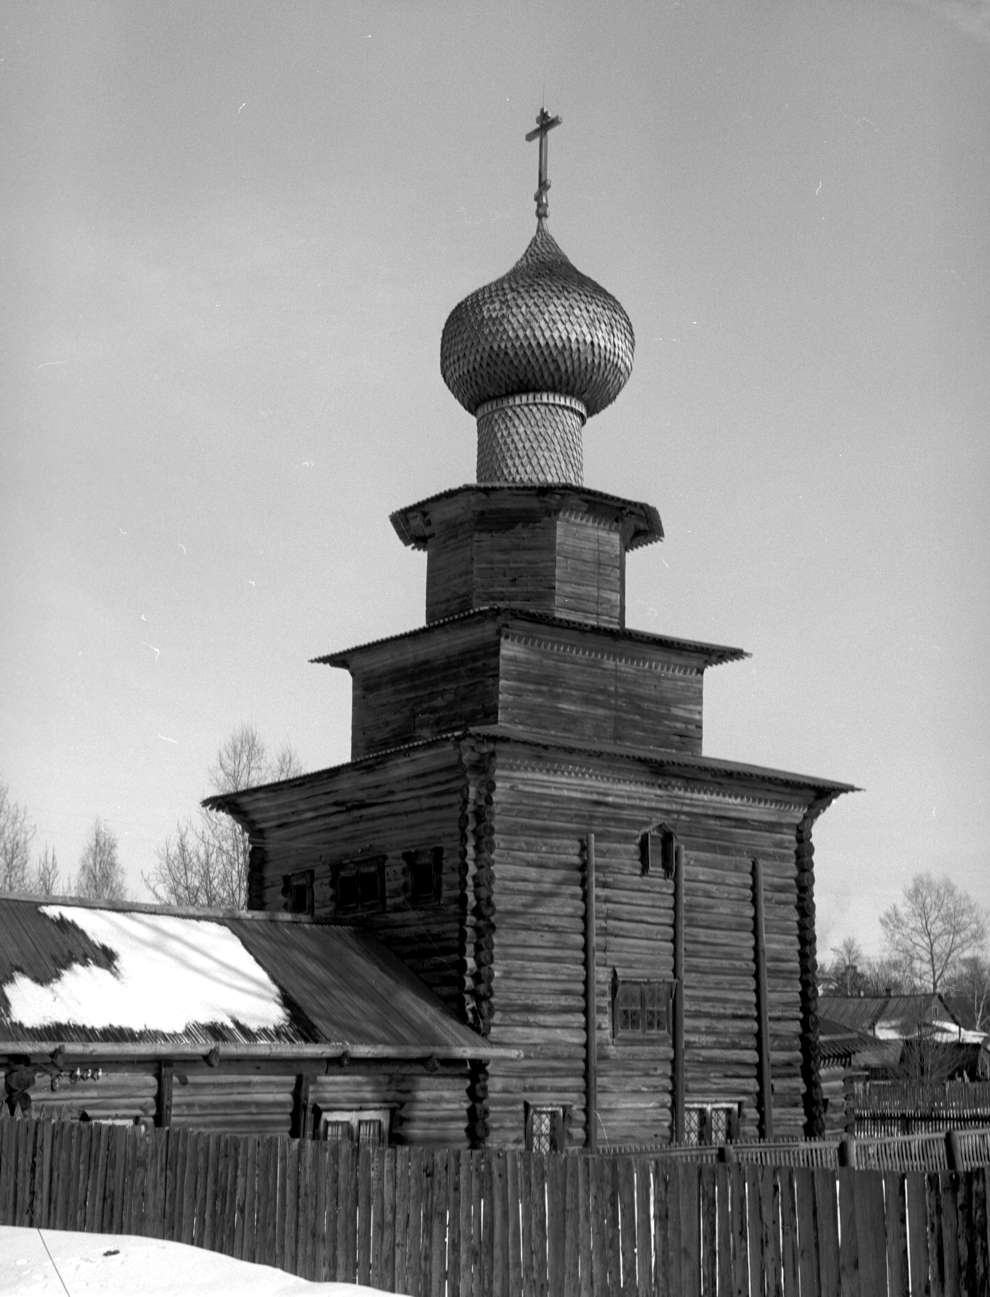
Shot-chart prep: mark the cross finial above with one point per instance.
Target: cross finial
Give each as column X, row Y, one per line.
column 544, row 124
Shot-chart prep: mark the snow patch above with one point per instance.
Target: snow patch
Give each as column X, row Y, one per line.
column 170, row 972
column 51, row 1263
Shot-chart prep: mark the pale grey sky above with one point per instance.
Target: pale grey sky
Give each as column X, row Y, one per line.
column 231, row 234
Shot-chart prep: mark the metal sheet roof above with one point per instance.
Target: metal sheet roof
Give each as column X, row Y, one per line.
column 710, row 654
column 886, row 1016
column 76, row 973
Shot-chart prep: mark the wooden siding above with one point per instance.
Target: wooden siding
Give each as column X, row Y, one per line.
column 555, row 680
column 503, row 558
column 413, row 689
column 572, row 684
column 590, row 570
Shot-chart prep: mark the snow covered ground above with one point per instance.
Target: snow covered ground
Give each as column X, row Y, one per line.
column 53, row 1263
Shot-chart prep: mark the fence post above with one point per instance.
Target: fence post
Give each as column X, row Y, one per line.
column 847, row 1151
column 953, row 1151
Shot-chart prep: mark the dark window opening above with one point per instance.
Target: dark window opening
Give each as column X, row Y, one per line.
column 658, row 850
column 359, row 886
column 640, row 1008
column 545, row 1129
column 424, row 875
column 298, row 892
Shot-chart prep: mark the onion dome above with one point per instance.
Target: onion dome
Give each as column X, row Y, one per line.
column 544, row 326
column 534, row 353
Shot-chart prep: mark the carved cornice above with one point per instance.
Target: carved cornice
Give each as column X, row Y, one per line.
column 602, row 652
column 701, row 789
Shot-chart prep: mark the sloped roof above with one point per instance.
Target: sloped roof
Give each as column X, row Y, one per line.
column 886, row 1016
column 73, row 973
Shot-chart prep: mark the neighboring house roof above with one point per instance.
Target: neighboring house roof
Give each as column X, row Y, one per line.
column 73, row 973
column 889, row 1017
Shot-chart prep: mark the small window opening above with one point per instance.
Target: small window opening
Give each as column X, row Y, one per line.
column 359, row 886
column 298, row 892
column 424, row 875
column 658, row 850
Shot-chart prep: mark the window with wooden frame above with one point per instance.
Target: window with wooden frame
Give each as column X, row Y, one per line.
column 423, row 875
column 546, row 1128
column 297, row 889
column 658, row 851
column 359, row 886
column 711, row 1123
column 641, row 1007
column 366, row 1127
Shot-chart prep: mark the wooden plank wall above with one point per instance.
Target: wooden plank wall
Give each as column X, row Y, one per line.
column 590, row 575
column 415, row 688
column 561, row 683
column 461, row 1224
column 540, row 809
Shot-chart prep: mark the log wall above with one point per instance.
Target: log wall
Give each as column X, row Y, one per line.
column 543, row 810
column 410, row 801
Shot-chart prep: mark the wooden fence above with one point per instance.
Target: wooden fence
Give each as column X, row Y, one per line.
column 882, row 1108
column 508, row 1224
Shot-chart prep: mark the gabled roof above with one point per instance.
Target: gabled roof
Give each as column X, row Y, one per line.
column 889, row 1017
column 147, row 976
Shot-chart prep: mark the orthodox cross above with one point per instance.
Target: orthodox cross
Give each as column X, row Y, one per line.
column 544, row 125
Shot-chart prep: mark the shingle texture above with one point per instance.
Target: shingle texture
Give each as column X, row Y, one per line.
column 542, row 327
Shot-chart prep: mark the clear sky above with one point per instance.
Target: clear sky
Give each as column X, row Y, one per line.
column 231, row 233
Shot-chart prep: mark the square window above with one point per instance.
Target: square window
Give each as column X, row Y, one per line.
column 359, row 886
column 640, row 1008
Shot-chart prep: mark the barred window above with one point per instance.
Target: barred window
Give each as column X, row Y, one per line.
column 544, row 1129
column 640, row 1008
column 711, row 1123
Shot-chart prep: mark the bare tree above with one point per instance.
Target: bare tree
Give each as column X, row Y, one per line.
column 935, row 928
column 100, row 876
column 206, row 862
column 46, row 879
column 15, row 843
column 970, row 983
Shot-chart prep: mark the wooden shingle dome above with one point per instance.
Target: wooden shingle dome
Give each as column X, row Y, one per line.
column 543, row 327
column 532, row 355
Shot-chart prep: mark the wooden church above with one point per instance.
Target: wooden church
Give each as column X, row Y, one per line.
column 528, row 821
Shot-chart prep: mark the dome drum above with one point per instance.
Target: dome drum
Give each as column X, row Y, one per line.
column 531, row 438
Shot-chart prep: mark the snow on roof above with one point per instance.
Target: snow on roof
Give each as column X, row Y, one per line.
column 102, row 975
column 166, row 973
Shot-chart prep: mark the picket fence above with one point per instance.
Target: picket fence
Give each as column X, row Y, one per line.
column 455, row 1223
column 883, row 1108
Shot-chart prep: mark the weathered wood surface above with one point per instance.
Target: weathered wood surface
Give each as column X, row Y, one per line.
column 509, row 1224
